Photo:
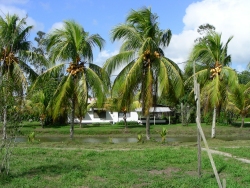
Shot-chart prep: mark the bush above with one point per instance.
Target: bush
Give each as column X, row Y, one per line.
column 129, row 123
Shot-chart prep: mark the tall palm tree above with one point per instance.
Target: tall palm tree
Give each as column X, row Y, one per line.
column 213, row 71
column 144, row 67
column 239, row 100
column 14, row 53
column 72, row 43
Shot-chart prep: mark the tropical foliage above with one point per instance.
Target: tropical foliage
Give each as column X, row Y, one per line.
column 145, row 69
column 212, row 71
column 74, row 46
column 14, row 69
column 239, row 101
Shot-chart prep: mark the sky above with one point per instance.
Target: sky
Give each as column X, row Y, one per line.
column 182, row 17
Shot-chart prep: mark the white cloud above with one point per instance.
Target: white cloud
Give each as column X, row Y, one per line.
column 230, row 17
column 22, row 14
column 57, row 25
column 103, row 56
column 180, row 47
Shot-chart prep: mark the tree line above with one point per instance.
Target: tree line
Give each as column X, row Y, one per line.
column 55, row 79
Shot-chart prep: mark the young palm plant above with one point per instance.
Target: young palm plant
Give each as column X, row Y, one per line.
column 212, row 71
column 72, row 43
column 144, row 67
column 239, row 101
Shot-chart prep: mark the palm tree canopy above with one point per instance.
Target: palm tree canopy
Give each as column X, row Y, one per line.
column 14, row 48
column 144, row 67
column 212, row 68
column 72, row 43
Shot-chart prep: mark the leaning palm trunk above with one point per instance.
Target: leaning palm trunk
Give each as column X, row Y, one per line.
column 213, row 123
column 242, row 121
column 72, row 118
column 148, row 127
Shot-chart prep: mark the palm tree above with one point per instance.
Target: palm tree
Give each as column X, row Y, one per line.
column 145, row 68
column 239, row 100
column 14, row 52
column 72, row 43
column 213, row 73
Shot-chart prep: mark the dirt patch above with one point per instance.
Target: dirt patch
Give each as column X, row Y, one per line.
column 192, row 173
column 168, row 171
column 141, row 185
column 98, row 178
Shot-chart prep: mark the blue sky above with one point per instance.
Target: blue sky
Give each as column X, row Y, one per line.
column 230, row 17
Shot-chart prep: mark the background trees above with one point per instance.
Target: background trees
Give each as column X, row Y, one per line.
column 145, row 68
column 239, row 100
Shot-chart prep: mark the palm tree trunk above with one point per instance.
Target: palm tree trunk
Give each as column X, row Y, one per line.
column 182, row 115
column 72, row 118
column 213, row 123
column 242, row 121
column 148, row 127
column 4, row 122
column 125, row 121
column 80, row 122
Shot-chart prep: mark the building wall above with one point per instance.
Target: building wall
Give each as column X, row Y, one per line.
column 111, row 117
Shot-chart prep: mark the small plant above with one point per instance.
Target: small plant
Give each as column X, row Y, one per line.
column 163, row 134
column 31, row 137
column 111, row 140
column 140, row 138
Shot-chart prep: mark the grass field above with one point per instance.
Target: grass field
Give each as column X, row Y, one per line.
column 125, row 165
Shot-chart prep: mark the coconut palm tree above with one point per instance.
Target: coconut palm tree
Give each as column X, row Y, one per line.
column 14, row 54
column 213, row 71
column 144, row 67
column 239, row 100
column 72, row 43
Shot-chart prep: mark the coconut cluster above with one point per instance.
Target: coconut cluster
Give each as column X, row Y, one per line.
column 216, row 70
column 10, row 58
column 75, row 68
column 147, row 56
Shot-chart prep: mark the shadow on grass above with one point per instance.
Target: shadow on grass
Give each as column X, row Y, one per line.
column 219, row 170
column 52, row 170
column 238, row 124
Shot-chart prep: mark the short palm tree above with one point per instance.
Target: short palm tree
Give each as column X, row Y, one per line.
column 72, row 43
column 145, row 69
column 239, row 101
column 213, row 73
column 14, row 53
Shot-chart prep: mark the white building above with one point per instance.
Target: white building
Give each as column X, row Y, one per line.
column 97, row 115
column 101, row 115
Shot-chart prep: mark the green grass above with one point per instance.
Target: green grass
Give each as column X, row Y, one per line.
column 133, row 130
column 242, row 152
column 150, row 164
column 164, row 166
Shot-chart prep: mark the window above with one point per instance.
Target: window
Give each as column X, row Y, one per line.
column 120, row 115
column 100, row 114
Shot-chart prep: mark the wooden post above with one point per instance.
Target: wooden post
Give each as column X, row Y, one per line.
column 197, row 99
column 198, row 119
column 224, row 183
column 201, row 134
column 205, row 143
